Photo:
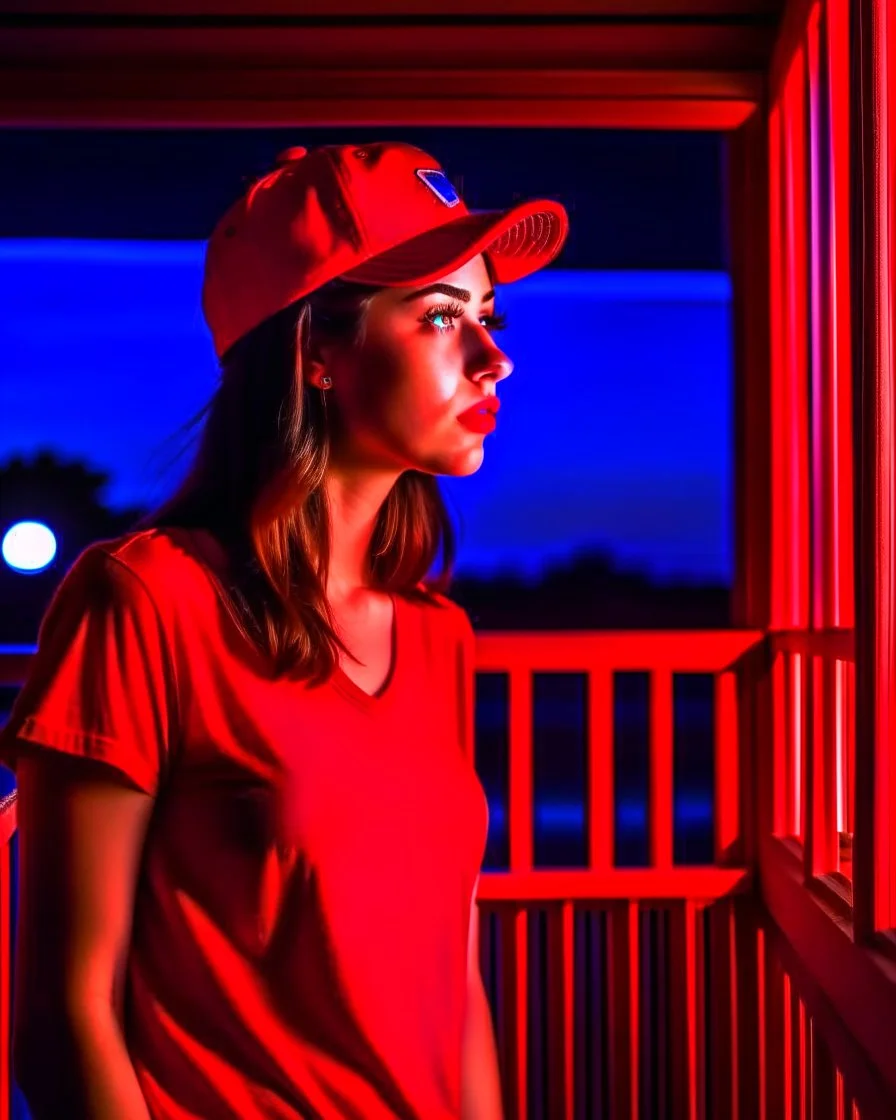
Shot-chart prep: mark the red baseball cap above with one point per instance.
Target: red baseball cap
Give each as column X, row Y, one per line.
column 381, row 214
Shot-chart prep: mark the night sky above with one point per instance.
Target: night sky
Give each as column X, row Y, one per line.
column 618, row 428
column 616, row 422
column 640, row 200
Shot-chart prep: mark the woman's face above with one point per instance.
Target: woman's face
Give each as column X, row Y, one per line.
column 427, row 356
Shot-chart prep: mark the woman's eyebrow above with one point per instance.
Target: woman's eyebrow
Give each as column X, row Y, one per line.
column 449, row 290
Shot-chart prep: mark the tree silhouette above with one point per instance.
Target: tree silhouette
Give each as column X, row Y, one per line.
column 66, row 496
column 587, row 591
column 590, row 592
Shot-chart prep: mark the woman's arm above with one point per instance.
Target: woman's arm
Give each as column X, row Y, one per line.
column 81, row 832
column 481, row 1085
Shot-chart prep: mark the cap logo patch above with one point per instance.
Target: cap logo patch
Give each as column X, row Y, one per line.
column 440, row 185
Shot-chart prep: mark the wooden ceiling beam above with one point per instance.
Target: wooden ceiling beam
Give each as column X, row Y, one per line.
column 374, row 46
column 336, row 9
column 620, row 73
column 520, row 113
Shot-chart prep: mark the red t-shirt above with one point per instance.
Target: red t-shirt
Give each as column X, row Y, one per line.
column 300, row 932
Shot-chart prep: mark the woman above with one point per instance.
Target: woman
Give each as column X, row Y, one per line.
column 250, row 826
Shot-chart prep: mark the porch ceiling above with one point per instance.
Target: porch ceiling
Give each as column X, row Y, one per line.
column 611, row 63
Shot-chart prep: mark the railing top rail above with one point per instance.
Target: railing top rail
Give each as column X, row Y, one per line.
column 707, row 651
column 618, row 884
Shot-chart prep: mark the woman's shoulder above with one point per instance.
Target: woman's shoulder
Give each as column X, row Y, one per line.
column 169, row 562
column 159, row 548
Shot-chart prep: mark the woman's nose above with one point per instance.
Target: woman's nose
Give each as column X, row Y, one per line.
column 490, row 360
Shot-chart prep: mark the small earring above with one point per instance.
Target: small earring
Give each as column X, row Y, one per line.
column 326, row 382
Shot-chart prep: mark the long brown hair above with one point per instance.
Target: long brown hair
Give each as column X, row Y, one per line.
column 256, row 484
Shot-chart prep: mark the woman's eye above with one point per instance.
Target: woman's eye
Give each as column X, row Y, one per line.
column 443, row 319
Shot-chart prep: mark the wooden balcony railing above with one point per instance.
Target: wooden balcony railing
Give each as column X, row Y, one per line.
column 645, row 930
column 660, row 990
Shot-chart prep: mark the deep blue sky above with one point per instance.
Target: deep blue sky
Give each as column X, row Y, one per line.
column 615, row 429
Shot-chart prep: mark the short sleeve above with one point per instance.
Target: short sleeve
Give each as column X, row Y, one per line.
column 99, row 685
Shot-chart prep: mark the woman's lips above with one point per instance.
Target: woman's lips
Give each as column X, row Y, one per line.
column 481, row 417
column 478, row 421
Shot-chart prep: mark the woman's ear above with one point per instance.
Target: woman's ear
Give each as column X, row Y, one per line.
column 315, row 370
column 316, row 356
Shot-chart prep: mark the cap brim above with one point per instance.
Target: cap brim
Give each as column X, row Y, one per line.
column 518, row 242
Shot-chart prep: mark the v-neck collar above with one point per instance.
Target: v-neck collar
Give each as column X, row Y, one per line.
column 374, row 701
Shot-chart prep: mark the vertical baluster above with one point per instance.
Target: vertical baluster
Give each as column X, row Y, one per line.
column 514, row 1009
column 727, row 768
column 601, row 799
column 723, row 1010
column 801, row 1059
column 602, row 1014
column 700, row 957
column 515, row 954
column 651, row 1069
column 581, row 993
column 823, row 1083
column 561, row 980
column 777, row 1038
column 601, row 802
column 795, row 1079
column 536, row 1055
column 746, row 949
column 762, row 1021
column 790, row 1045
column 520, row 805
column 840, row 1096
column 683, row 967
column 661, row 777
column 622, row 1004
